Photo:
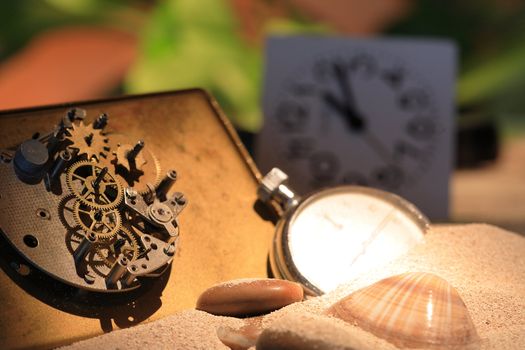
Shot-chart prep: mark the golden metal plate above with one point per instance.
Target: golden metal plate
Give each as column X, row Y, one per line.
column 222, row 237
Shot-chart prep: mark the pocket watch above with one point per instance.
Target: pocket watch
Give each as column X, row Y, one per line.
column 333, row 235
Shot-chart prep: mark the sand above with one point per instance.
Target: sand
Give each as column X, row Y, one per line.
column 484, row 263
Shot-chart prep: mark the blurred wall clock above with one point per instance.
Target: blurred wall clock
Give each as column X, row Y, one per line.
column 369, row 112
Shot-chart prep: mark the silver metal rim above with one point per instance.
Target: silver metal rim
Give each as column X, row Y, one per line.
column 281, row 259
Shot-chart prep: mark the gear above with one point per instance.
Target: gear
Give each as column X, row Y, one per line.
column 94, row 186
column 65, row 211
column 125, row 242
column 103, row 223
column 137, row 171
column 88, row 140
column 131, row 157
column 74, row 238
column 152, row 177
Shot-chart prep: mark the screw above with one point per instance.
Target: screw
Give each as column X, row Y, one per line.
column 172, row 174
column 89, row 279
column 181, row 200
column 99, row 215
column 5, row 158
column 169, row 250
column 59, row 131
column 135, row 151
column 166, row 183
column 58, row 167
column 66, row 155
column 101, row 121
column 76, row 113
column 71, row 114
column 99, row 178
column 89, row 139
column 150, row 195
column 131, row 193
column 123, row 260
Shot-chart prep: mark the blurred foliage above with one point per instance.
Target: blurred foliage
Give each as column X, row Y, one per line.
column 190, row 43
column 194, row 44
column 204, row 35
column 491, row 36
column 20, row 20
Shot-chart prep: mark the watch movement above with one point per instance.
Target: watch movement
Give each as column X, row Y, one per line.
column 89, row 208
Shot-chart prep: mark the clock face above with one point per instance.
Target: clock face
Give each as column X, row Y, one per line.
column 362, row 118
column 340, row 233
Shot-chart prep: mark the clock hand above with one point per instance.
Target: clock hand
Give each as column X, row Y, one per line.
column 341, row 76
column 377, row 146
column 374, row 235
column 332, row 221
column 348, row 110
column 334, row 103
column 354, row 121
column 357, row 124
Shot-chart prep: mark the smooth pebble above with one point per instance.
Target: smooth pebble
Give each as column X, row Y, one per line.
column 249, row 297
column 241, row 338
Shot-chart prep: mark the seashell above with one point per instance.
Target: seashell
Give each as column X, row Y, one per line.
column 412, row 310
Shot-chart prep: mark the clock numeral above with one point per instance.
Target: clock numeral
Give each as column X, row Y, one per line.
column 292, row 117
column 421, row 128
column 322, row 70
column 389, row 177
column 393, row 77
column 354, row 178
column 324, row 167
column 402, row 149
column 299, row 148
column 413, row 100
column 363, row 64
column 303, row 89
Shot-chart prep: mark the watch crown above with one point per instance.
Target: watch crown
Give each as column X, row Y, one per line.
column 270, row 183
column 274, row 186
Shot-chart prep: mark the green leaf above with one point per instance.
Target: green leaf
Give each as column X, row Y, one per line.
column 487, row 80
column 190, row 43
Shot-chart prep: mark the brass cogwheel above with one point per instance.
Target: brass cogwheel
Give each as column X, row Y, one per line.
column 145, row 169
column 94, row 186
column 103, row 223
column 88, row 140
column 125, row 243
column 154, row 178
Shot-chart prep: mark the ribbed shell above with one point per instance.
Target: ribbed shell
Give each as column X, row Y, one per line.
column 412, row 310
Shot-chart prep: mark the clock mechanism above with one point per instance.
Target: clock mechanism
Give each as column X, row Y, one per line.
column 88, row 207
column 362, row 118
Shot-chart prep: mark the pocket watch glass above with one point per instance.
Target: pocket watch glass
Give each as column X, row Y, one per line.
column 337, row 234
